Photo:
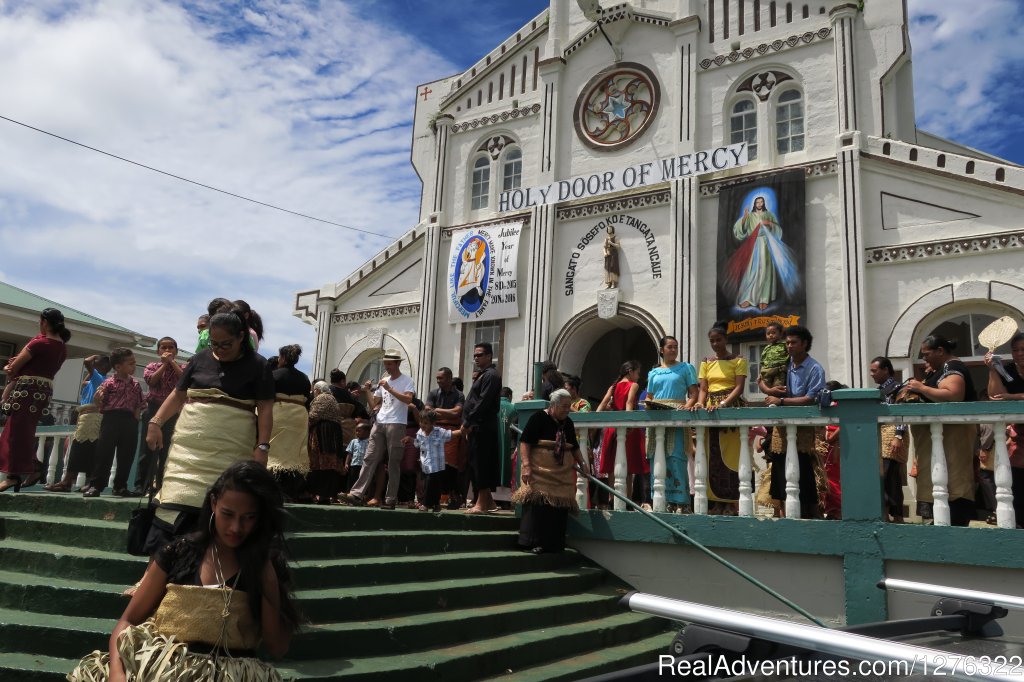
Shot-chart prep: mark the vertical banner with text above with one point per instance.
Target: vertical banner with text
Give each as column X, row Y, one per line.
column 482, row 270
column 761, row 255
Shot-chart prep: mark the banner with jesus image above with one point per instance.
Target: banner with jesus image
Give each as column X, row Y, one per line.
column 761, row 253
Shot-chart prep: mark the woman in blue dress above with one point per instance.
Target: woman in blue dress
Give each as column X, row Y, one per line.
column 673, row 385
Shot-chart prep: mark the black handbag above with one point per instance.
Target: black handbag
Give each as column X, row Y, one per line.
column 138, row 528
column 142, row 517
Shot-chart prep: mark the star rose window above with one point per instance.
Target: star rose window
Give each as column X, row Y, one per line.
column 616, row 106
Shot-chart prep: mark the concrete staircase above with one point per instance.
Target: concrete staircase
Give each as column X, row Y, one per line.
column 393, row 595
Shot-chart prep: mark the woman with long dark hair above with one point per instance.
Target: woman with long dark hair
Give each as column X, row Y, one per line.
column 226, row 399
column 252, row 320
column 622, row 396
column 673, row 385
column 27, row 398
column 211, row 598
column 949, row 383
column 721, row 379
column 1009, row 385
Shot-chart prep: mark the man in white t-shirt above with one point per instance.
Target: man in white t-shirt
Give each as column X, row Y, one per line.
column 393, row 394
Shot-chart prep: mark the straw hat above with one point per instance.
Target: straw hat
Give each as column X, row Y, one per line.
column 392, row 354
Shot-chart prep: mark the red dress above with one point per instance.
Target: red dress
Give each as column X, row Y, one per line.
column 27, row 402
column 636, row 457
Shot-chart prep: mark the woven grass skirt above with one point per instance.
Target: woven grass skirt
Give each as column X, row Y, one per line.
column 149, row 656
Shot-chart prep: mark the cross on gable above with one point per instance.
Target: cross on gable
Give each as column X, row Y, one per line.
column 425, row 92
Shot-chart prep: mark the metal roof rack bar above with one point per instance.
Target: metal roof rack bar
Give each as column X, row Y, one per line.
column 823, row 640
column 1007, row 601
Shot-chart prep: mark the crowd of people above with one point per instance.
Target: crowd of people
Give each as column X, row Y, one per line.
column 230, row 436
column 789, row 376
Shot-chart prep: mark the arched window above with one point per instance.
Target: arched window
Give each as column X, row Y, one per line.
column 743, row 126
column 964, row 330
column 789, row 122
column 481, row 183
column 512, row 170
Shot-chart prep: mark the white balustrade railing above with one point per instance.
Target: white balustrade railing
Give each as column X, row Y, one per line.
column 1005, row 515
column 663, row 436
column 62, row 437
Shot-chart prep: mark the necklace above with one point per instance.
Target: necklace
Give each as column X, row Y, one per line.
column 227, row 593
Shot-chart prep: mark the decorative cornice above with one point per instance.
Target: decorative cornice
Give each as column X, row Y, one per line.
column 521, row 112
column 630, row 202
column 816, row 169
column 764, row 48
column 947, row 247
column 401, row 310
column 620, row 12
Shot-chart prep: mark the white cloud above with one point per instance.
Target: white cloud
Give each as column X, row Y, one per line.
column 307, row 109
column 963, row 53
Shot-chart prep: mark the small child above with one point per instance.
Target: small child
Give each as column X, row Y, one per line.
column 356, row 452
column 430, row 440
column 121, row 404
column 774, row 357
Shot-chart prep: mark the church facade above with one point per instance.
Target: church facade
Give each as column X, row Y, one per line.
column 601, row 180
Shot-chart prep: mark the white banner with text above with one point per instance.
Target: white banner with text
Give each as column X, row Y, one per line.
column 632, row 177
column 482, row 268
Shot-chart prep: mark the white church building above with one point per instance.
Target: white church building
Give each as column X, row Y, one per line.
column 757, row 160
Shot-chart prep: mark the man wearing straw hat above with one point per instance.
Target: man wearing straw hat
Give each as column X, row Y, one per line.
column 393, row 393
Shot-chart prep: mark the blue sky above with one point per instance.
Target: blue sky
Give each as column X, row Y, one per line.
column 306, row 105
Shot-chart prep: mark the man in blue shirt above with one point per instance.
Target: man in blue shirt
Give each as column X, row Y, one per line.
column 805, row 379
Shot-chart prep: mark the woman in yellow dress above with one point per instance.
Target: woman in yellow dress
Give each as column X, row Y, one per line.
column 720, row 380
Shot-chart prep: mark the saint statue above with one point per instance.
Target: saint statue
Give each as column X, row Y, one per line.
column 611, row 260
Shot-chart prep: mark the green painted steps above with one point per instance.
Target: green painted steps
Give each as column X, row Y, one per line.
column 580, row 666
column 481, row 657
column 392, row 595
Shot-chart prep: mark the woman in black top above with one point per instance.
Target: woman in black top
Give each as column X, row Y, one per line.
column 226, row 398
column 1001, row 388
column 209, row 599
column 547, row 451
column 289, row 455
column 950, row 382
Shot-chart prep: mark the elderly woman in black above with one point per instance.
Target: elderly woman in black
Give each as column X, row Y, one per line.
column 547, row 450
column 226, row 398
column 950, row 382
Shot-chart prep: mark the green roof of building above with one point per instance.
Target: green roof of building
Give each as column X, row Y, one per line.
column 13, row 297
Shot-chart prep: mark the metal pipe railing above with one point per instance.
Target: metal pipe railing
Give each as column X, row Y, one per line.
column 919, row 660
column 1007, row 601
column 701, row 547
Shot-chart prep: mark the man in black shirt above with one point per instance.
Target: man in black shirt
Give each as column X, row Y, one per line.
column 480, row 419
column 341, row 393
column 446, row 400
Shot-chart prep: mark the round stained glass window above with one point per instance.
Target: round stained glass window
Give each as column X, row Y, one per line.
column 617, row 106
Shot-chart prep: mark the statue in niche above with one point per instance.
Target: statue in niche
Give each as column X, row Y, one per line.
column 611, row 260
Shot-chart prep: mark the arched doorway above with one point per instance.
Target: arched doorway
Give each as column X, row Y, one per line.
column 601, row 366
column 594, row 348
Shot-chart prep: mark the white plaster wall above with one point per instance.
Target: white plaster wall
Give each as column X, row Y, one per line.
column 362, row 295
column 463, row 151
column 812, row 67
column 908, row 605
column 997, row 211
column 651, row 46
column 893, row 287
column 637, row 284
column 685, row 573
column 404, row 333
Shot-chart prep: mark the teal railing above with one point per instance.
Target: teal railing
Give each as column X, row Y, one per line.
column 863, row 540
